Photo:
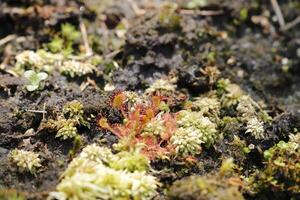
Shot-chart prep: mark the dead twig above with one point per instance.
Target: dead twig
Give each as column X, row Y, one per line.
column 88, row 50
column 291, row 24
column 201, row 12
column 278, row 13
column 88, row 82
column 136, row 9
column 7, row 39
column 43, row 112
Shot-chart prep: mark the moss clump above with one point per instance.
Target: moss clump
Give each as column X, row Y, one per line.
column 25, row 160
column 229, row 93
column 155, row 127
column 161, row 86
column 74, row 110
column 255, row 128
column 75, row 68
column 193, row 130
column 207, row 105
column 41, row 60
column 282, row 169
column 66, row 129
column 89, row 176
column 130, row 161
column 64, row 40
column 68, row 120
column 29, row 59
column 219, row 186
column 9, row 194
column 168, row 17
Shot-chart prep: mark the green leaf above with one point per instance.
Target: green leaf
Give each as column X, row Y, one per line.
column 56, row 45
column 69, row 32
column 42, row 75
column 28, row 74
column 31, row 88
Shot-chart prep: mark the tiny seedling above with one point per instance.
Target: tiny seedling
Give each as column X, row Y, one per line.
column 34, row 79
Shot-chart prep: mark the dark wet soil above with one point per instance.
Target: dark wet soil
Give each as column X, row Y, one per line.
column 251, row 50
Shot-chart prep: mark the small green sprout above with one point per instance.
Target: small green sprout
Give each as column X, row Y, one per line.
column 56, row 45
column 69, row 32
column 64, row 40
column 227, row 166
column 25, row 160
column 66, row 129
column 230, row 93
column 34, row 79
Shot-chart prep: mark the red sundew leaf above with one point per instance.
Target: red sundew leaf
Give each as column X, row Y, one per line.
column 155, row 101
column 118, row 100
column 150, row 113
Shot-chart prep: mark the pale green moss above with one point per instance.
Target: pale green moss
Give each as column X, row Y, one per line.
column 131, row 161
column 74, row 110
column 91, row 176
column 25, row 160
column 209, row 187
column 187, row 141
column 30, row 59
column 75, row 68
column 66, row 129
column 255, row 128
column 207, row 105
column 161, row 85
column 193, row 130
column 230, row 93
column 155, row 127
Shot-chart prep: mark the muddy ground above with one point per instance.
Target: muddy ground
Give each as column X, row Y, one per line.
column 242, row 39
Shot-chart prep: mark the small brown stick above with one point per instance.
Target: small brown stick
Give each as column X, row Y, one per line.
column 278, row 13
column 44, row 109
column 136, row 9
column 7, row 39
column 291, row 24
column 85, row 39
column 43, row 112
column 201, row 12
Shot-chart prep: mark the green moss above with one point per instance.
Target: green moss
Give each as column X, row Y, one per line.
column 210, row 187
column 131, row 161
column 193, row 130
column 282, row 169
column 64, row 40
column 9, row 194
column 167, row 16
column 89, row 176
column 74, row 110
column 66, row 129
column 73, row 68
column 26, row 161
